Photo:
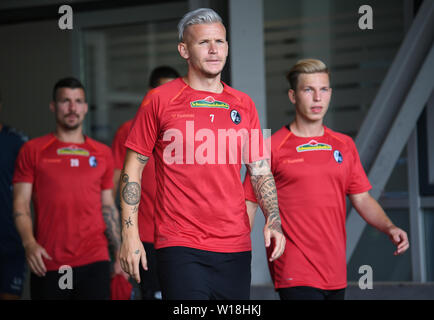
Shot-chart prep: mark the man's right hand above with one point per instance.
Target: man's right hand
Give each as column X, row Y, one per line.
column 34, row 254
column 131, row 254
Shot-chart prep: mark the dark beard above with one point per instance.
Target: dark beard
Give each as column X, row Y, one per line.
column 67, row 127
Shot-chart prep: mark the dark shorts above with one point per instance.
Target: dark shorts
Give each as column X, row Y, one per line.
column 310, row 293
column 12, row 272
column 149, row 284
column 192, row 274
column 89, row 282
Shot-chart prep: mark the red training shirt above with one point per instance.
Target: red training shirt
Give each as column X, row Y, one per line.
column 313, row 176
column 200, row 198
column 67, row 181
column 148, row 193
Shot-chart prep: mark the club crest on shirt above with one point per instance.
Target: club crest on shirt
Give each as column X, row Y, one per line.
column 338, row 156
column 209, row 102
column 74, row 151
column 235, row 117
column 93, row 162
column 313, row 145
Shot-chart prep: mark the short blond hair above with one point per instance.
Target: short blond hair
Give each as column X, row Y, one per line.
column 305, row 66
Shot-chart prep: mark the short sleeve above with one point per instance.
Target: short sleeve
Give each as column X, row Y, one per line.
column 358, row 181
column 257, row 146
column 25, row 164
column 145, row 127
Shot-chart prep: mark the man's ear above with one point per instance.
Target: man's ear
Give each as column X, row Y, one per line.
column 291, row 96
column 52, row 106
column 183, row 50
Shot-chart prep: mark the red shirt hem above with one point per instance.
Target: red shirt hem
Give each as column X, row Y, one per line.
column 309, row 284
column 55, row 266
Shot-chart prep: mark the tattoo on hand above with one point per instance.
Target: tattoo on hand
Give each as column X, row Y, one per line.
column 131, row 191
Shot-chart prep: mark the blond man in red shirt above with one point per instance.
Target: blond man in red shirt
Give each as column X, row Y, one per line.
column 315, row 168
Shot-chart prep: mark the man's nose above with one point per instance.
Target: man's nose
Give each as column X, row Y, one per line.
column 317, row 95
column 212, row 47
column 72, row 106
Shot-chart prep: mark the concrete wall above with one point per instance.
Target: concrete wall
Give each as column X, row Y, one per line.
column 33, row 57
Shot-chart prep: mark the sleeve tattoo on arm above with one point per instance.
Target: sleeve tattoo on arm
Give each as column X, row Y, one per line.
column 111, row 217
column 265, row 191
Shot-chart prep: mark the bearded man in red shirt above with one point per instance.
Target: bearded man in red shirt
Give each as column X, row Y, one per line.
column 69, row 177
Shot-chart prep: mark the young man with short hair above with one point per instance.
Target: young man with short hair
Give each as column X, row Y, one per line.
column 315, row 168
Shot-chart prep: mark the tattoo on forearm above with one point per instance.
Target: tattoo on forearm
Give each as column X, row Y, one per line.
column 111, row 218
column 275, row 224
column 16, row 215
column 128, row 222
column 266, row 194
column 258, row 168
column 131, row 191
column 124, row 177
column 142, row 159
column 130, row 196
